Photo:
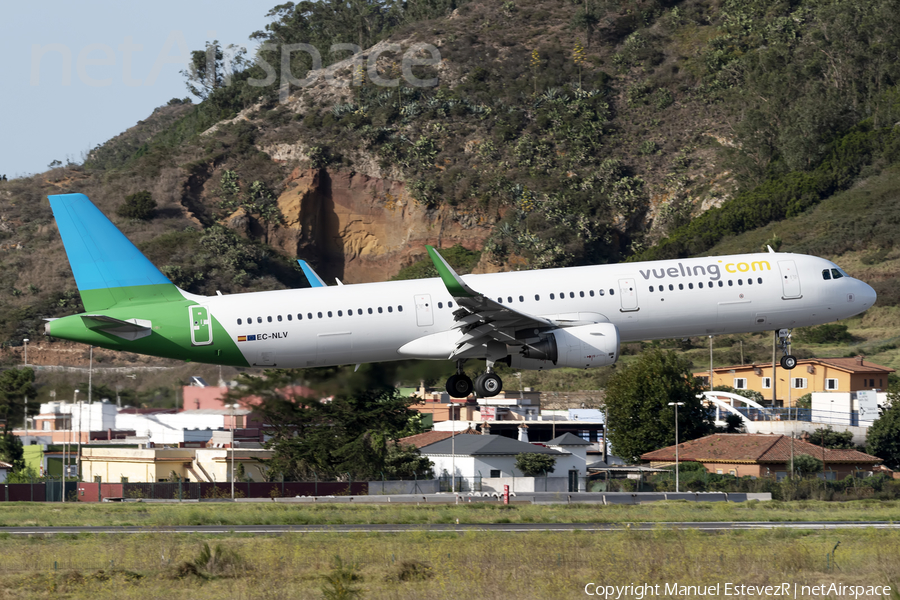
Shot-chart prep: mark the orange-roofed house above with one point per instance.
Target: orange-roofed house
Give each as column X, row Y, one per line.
column 760, row 455
column 810, row 375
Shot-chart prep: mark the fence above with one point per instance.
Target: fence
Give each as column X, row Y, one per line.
column 799, row 414
column 463, row 484
column 181, row 490
column 43, row 491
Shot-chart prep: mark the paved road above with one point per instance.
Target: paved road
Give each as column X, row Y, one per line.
column 462, row 527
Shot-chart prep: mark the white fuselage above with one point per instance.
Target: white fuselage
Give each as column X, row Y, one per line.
column 651, row 300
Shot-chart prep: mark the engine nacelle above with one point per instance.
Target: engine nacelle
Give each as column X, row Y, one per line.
column 580, row 347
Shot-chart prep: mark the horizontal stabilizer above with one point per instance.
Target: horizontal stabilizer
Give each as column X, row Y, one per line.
column 132, row 329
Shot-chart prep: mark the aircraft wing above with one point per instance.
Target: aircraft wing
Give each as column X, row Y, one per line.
column 481, row 319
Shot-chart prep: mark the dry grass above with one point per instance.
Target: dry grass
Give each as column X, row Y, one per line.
column 482, row 565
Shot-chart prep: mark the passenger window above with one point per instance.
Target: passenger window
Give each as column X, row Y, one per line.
column 740, row 282
column 390, row 309
column 690, row 286
column 571, row 294
column 440, row 305
column 700, row 285
column 671, row 288
column 379, row 310
column 759, row 280
column 581, row 294
column 269, row 319
column 399, row 309
column 591, row 292
column 239, row 321
column 836, row 274
column 370, row 311
column 290, row 318
column 449, row 305
column 680, row 286
column 320, row 315
column 329, row 314
column 509, row 299
column 500, row 300
column 521, row 298
column 651, row 288
column 359, row 311
column 309, row 315
column 612, row 292
column 730, row 283
column 259, row 319
column 279, row 318
column 721, row 284
column 552, row 297
column 340, row 313
column 601, row 292
column 537, row 297
column 750, row 282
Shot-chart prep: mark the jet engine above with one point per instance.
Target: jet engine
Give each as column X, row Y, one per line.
column 581, row 347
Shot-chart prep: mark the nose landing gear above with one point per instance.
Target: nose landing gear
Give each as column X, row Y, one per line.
column 788, row 361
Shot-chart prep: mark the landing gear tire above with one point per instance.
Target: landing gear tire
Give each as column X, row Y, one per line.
column 488, row 384
column 788, row 362
column 459, row 386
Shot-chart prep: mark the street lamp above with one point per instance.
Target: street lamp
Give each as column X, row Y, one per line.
column 232, row 407
column 26, row 340
column 676, row 405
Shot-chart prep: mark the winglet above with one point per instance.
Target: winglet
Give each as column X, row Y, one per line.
column 455, row 285
column 311, row 276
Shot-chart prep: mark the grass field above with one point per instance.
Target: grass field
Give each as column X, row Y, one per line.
column 166, row 515
column 423, row 565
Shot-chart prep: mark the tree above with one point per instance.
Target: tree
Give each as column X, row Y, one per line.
column 883, row 439
column 533, row 464
column 637, row 398
column 15, row 386
column 806, row 465
column 140, row 206
column 403, row 461
column 12, row 451
column 829, row 438
column 213, row 68
column 349, row 433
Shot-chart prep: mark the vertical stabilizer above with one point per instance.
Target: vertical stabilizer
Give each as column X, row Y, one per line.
column 109, row 270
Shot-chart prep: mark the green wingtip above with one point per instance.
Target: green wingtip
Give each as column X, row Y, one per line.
column 454, row 284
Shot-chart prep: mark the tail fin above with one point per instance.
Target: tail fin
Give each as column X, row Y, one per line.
column 109, row 270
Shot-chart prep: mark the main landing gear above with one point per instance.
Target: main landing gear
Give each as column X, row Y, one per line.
column 788, row 361
column 486, row 385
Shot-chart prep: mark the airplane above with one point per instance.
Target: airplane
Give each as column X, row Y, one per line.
column 565, row 317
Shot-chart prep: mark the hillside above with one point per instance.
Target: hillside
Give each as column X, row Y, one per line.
column 557, row 134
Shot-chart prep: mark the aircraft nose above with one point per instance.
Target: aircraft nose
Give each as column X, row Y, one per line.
column 866, row 295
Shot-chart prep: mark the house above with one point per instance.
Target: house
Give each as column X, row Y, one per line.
column 760, row 455
column 5, row 469
column 810, row 375
column 493, row 457
column 147, row 465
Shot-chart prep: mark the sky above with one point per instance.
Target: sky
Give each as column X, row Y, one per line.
column 77, row 73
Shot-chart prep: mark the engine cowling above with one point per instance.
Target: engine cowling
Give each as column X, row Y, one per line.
column 580, row 347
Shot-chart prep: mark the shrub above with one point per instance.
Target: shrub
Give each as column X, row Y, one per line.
column 140, row 206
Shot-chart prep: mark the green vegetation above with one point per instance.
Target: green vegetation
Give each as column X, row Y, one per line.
column 638, row 398
column 533, row 464
column 883, row 439
column 462, row 261
column 139, row 206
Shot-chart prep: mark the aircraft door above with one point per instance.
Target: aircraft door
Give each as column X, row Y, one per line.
column 424, row 312
column 628, row 295
column 201, row 326
column 790, row 279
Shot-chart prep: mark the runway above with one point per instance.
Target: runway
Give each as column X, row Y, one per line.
column 712, row 526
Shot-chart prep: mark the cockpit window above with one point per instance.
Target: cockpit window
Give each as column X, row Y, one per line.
column 837, row 273
column 826, row 274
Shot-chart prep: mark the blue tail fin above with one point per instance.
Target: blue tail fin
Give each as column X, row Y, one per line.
column 108, row 268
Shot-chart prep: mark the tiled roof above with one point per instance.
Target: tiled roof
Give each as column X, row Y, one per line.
column 430, row 437
column 471, row 445
column 851, row 365
column 567, row 439
column 4, row 465
column 753, row 448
